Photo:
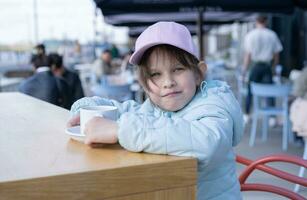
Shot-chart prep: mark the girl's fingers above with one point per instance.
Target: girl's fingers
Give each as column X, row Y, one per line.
column 74, row 121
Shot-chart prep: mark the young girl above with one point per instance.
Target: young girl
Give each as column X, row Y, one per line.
column 183, row 116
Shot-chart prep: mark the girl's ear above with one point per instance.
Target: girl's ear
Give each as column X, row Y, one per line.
column 203, row 68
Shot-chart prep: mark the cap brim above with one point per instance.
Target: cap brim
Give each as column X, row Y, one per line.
column 137, row 55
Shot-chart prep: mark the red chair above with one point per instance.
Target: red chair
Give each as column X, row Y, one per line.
column 259, row 164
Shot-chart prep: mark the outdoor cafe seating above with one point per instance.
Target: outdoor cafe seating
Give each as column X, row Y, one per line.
column 42, row 162
column 117, row 92
column 262, row 92
column 117, row 87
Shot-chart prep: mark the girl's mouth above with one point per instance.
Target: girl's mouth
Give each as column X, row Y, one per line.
column 171, row 94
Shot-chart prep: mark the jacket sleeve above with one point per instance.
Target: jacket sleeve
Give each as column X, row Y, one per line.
column 127, row 106
column 206, row 136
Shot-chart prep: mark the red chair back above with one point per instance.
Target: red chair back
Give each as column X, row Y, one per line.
column 260, row 165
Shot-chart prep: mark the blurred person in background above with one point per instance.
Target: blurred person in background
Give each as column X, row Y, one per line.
column 262, row 48
column 298, row 109
column 43, row 84
column 40, row 50
column 77, row 53
column 103, row 65
column 125, row 65
column 114, row 51
column 300, row 85
column 72, row 78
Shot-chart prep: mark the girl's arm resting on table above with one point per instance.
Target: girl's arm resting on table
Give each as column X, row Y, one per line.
column 126, row 106
column 207, row 136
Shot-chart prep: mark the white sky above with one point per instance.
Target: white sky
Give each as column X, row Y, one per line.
column 57, row 19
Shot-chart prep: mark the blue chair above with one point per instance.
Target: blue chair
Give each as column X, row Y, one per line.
column 117, row 92
column 261, row 92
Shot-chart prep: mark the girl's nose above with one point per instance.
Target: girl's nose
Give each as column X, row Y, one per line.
column 169, row 82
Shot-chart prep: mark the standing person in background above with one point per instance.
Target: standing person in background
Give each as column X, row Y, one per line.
column 183, row 116
column 72, row 79
column 262, row 48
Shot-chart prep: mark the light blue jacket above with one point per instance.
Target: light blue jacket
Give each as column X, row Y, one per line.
column 207, row 129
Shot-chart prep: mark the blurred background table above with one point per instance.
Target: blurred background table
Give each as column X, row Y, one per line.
column 39, row 161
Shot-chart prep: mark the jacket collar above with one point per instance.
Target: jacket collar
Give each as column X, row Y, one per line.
column 42, row 69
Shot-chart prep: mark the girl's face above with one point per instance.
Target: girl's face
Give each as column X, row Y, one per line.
column 172, row 85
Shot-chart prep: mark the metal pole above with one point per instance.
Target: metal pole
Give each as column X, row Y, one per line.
column 200, row 33
column 95, row 31
column 35, row 21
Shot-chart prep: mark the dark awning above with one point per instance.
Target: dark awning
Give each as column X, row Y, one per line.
column 186, row 18
column 115, row 7
column 301, row 3
column 111, row 7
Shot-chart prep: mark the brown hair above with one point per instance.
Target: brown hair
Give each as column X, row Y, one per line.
column 186, row 59
column 262, row 19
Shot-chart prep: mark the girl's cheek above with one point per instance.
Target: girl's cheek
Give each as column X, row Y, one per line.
column 152, row 85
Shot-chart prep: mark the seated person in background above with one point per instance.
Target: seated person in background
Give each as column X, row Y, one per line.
column 72, row 79
column 43, row 85
column 40, row 50
column 103, row 65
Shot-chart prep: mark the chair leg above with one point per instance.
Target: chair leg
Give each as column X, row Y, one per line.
column 285, row 134
column 253, row 130
column 290, row 133
column 264, row 128
column 302, row 169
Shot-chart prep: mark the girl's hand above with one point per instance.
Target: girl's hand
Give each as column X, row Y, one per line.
column 100, row 130
column 74, row 121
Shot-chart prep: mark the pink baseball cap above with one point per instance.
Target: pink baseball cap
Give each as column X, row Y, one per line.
column 170, row 33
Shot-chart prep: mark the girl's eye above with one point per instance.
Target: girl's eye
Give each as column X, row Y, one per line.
column 155, row 74
column 178, row 69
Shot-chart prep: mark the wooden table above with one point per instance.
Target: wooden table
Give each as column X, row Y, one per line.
column 39, row 161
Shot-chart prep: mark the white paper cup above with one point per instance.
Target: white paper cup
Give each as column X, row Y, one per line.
column 90, row 112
